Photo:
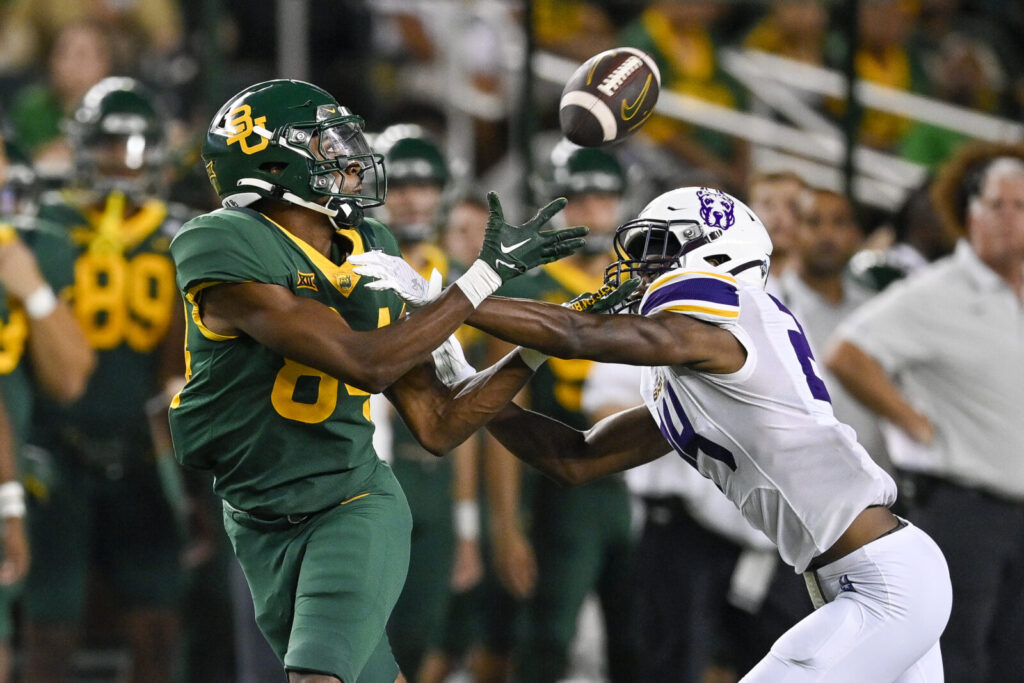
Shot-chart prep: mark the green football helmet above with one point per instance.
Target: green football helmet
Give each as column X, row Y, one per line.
column 575, row 172
column 290, row 140
column 585, row 170
column 118, row 138
column 417, row 176
column 411, row 156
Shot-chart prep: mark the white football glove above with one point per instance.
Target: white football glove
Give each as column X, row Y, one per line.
column 392, row 272
column 450, row 364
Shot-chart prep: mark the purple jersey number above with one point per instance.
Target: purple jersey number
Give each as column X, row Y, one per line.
column 803, row 354
column 678, row 431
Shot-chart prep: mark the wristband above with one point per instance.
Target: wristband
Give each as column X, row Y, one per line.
column 467, row 520
column 41, row 302
column 479, row 282
column 12, row 499
column 532, row 357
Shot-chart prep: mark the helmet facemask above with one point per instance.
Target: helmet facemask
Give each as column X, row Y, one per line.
column 330, row 148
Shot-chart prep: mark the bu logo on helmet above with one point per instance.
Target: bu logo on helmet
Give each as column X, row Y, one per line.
column 244, row 127
column 716, row 208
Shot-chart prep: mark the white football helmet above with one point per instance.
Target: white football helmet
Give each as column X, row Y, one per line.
column 693, row 227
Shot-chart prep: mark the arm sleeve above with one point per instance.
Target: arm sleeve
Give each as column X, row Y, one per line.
column 707, row 296
column 208, row 250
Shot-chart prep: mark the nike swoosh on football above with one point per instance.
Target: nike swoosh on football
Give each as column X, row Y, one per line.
column 629, row 110
column 505, row 250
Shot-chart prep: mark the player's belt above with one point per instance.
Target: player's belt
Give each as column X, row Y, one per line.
column 267, row 523
column 260, row 522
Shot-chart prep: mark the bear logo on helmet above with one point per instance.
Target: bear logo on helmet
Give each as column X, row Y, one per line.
column 716, row 208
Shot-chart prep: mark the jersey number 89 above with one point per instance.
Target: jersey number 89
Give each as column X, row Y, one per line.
column 118, row 300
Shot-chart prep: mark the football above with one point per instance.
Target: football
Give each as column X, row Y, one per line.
column 609, row 96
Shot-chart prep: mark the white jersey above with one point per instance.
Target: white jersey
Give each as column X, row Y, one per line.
column 765, row 434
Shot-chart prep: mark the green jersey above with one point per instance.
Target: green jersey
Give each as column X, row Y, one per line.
column 124, row 298
column 280, row 437
column 557, row 387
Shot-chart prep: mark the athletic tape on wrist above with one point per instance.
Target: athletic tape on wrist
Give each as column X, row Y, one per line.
column 466, row 516
column 479, row 282
column 12, row 499
column 41, row 302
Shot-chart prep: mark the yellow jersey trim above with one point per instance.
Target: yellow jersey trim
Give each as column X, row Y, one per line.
column 343, row 278
column 190, row 297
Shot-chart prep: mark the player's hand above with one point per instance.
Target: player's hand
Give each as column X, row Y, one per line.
column 919, row 428
column 606, row 299
column 510, row 250
column 392, row 272
column 16, row 554
column 515, row 563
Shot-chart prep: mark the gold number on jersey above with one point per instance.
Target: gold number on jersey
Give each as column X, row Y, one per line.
column 118, row 300
column 569, row 376
column 12, row 340
column 282, row 395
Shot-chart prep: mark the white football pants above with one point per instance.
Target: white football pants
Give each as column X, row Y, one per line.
column 888, row 603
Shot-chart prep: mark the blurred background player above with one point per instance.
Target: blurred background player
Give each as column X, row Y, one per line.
column 553, row 547
column 107, row 514
column 43, row 350
column 442, row 492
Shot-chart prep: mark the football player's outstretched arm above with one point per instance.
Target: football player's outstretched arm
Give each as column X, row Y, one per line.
column 310, row 333
column 569, row 456
column 441, row 417
column 662, row 339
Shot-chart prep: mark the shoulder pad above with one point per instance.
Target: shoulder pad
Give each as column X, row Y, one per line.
column 706, row 295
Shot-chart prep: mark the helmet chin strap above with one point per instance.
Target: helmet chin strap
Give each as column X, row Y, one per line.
column 343, row 213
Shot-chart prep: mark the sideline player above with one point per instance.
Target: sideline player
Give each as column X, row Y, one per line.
column 285, row 342
column 442, row 492
column 551, row 546
column 107, row 510
column 731, row 385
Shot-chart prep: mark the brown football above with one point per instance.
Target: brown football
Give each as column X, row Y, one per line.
column 609, row 96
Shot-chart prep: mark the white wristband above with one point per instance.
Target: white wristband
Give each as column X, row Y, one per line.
column 479, row 282
column 12, row 499
column 41, row 302
column 532, row 357
column 467, row 520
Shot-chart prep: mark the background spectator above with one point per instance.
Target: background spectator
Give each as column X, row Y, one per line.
column 940, row 357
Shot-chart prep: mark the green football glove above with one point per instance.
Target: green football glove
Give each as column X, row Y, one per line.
column 511, row 250
column 606, row 299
